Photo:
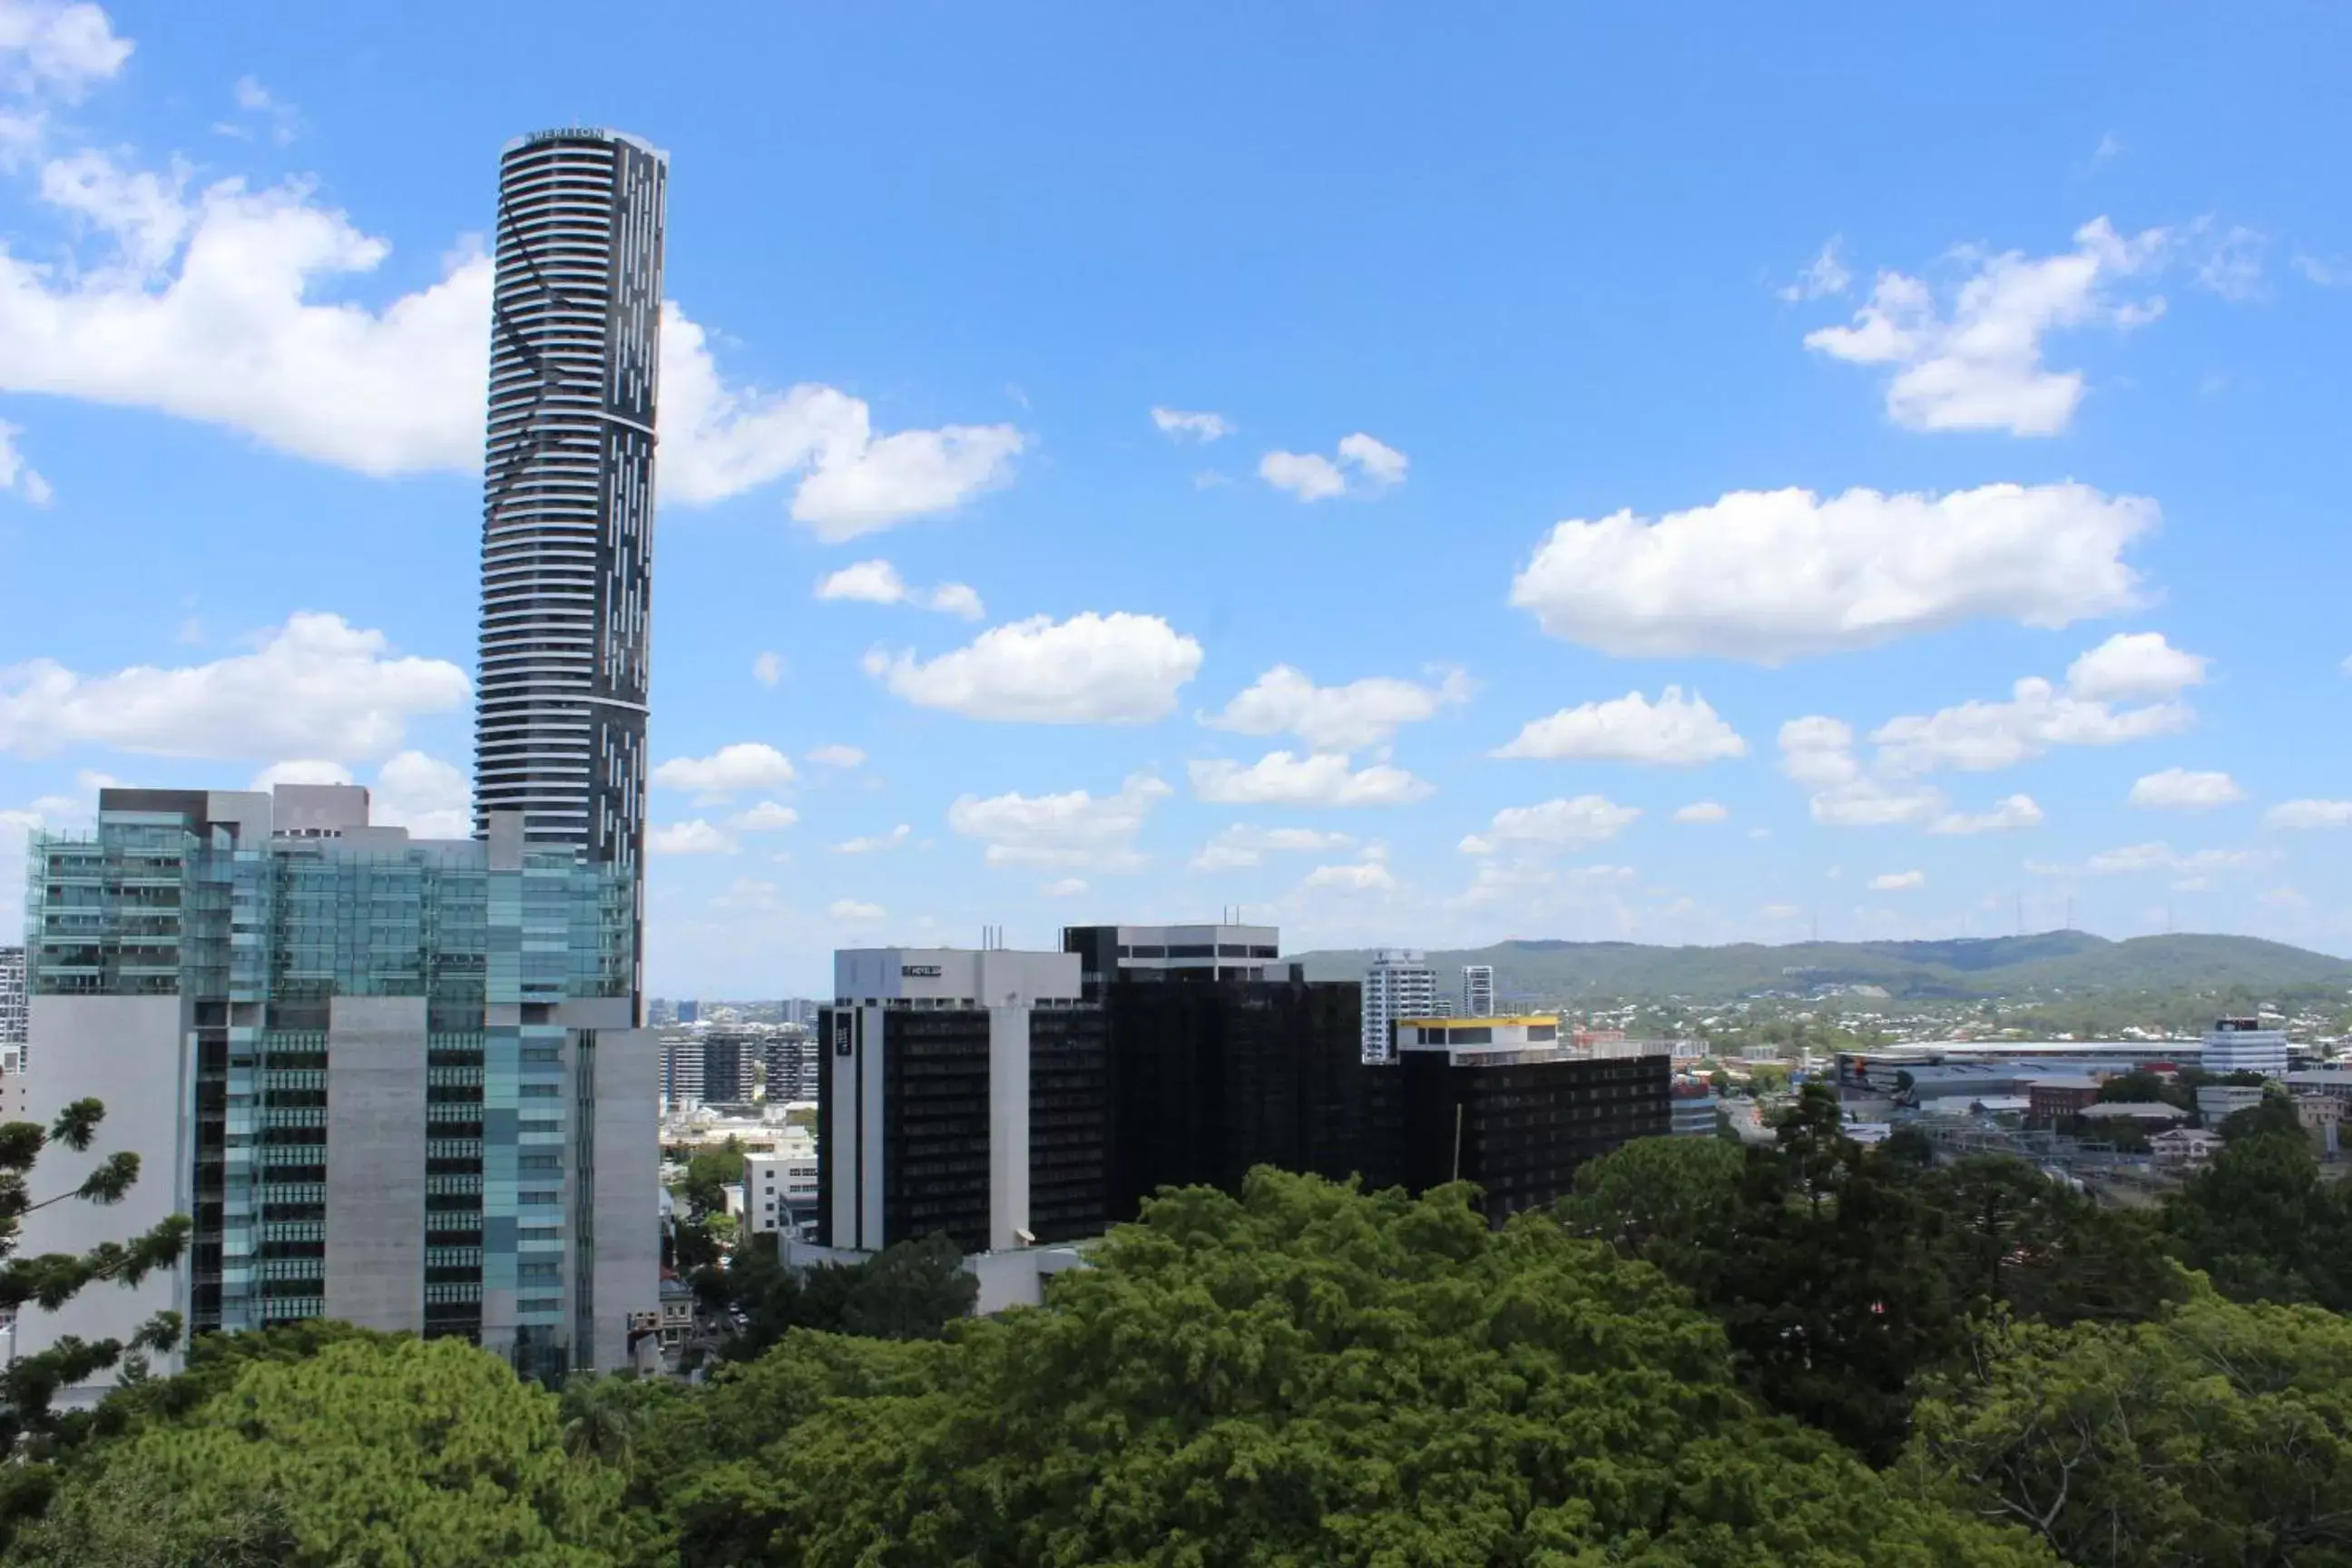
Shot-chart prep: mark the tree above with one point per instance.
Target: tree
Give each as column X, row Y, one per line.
column 2274, row 1115
column 2017, row 1242
column 1654, row 1196
column 378, row 1450
column 1304, row 1375
column 2263, row 1225
column 2219, row 1433
column 708, row 1173
column 52, row 1280
column 908, row 1291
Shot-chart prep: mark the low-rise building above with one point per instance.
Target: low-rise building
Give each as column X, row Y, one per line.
column 1694, row 1111
column 781, row 1188
column 2049, row 1099
column 2217, row 1102
column 2147, row 1113
column 2185, row 1146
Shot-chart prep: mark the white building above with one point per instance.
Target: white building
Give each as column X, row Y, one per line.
column 2243, row 1045
column 1477, row 990
column 15, row 1017
column 2216, row 1102
column 1400, row 984
column 780, row 1188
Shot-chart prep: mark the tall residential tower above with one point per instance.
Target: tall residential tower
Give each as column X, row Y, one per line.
column 568, row 494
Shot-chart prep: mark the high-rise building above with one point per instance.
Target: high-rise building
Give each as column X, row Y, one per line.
column 1502, row 1102
column 789, row 1054
column 15, row 1017
column 1400, row 984
column 2244, row 1045
column 726, row 1056
column 960, row 1091
column 1477, row 990
column 392, row 1081
column 681, row 1081
column 689, row 1012
column 568, row 496
column 1188, row 952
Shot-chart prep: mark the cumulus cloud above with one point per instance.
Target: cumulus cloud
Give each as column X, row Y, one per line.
column 874, row 844
column 18, row 476
column 1178, row 424
column 1897, row 881
column 1241, row 845
column 1703, row 811
column 315, row 687
column 2014, row 812
column 2308, row 813
column 1976, row 364
column 2179, row 789
column 837, row 756
column 878, row 583
column 1064, row 888
column 1554, row 825
column 1076, row 829
column 768, row 816
column 1631, row 729
column 1773, row 575
column 1823, row 276
column 1364, row 465
column 747, row 764
column 1979, row 735
column 695, row 837
column 1363, row 876
column 1092, row 669
column 1336, row 718
column 2133, row 665
column 60, row 48
column 767, row 669
column 431, row 798
column 1320, row 779
column 214, row 309
column 856, row 912
column 1818, row 752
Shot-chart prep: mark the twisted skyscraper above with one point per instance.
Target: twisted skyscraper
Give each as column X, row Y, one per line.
column 568, row 494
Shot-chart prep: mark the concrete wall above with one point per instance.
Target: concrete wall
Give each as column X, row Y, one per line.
column 130, row 1052
column 375, row 1162
column 626, row 1276
column 1008, row 1126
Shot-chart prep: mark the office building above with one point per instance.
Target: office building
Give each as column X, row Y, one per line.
column 789, row 1054
column 1477, row 991
column 1695, row 1110
column 688, row 1012
column 1400, row 984
column 2244, row 1045
column 727, row 1058
column 960, row 1090
column 681, row 1072
column 1181, row 952
column 392, row 1081
column 568, row 497
column 800, row 1010
column 1501, row 1103
column 16, row 1017
column 780, row 1188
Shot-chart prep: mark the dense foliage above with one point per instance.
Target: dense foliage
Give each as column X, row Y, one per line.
column 910, row 1291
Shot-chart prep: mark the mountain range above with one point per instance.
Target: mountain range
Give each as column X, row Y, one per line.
column 2046, row 964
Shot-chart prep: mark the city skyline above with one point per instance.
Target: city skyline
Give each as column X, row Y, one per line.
column 1510, row 517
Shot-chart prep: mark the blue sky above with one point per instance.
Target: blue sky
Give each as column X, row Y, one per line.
column 1703, row 409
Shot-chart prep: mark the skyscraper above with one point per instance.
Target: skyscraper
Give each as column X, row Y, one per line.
column 14, row 1018
column 1400, row 984
column 1477, row 990
column 568, row 494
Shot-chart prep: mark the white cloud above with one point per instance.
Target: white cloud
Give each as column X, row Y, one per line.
column 1241, row 845
column 1703, row 811
column 1823, row 276
column 236, row 336
column 1335, row 718
column 2014, row 812
column 767, row 669
column 1321, row 779
column 1064, row 888
column 768, row 816
column 1774, row 575
column 1977, row 735
column 2230, row 263
column 854, row 911
column 61, row 48
column 836, row 757
column 1527, row 885
column 16, row 474
column 695, row 837
column 315, row 686
column 878, row 583
column 1092, row 669
column 1631, row 729
column 2177, row 789
column 1782, row 912
column 1897, row 881
column 431, row 798
column 2161, row 856
column 1364, row 465
column 2308, row 813
column 302, row 771
column 875, row 842
column 1363, row 877
column 1980, row 367
column 1181, row 426
column 1554, row 824
column 2135, row 665
column 747, row 764
column 1818, row 752
column 1075, row 829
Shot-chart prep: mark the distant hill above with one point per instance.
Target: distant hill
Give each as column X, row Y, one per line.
column 2050, row 964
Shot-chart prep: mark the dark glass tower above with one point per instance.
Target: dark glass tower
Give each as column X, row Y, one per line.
column 568, row 493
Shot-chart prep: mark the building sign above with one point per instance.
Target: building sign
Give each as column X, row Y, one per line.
column 919, row 971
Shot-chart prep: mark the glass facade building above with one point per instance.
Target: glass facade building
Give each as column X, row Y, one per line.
column 387, row 1051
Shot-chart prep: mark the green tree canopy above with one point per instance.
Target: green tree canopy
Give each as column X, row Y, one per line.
column 2263, row 1225
column 2219, row 1433
column 376, row 1450
column 1304, row 1374
column 908, row 1291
